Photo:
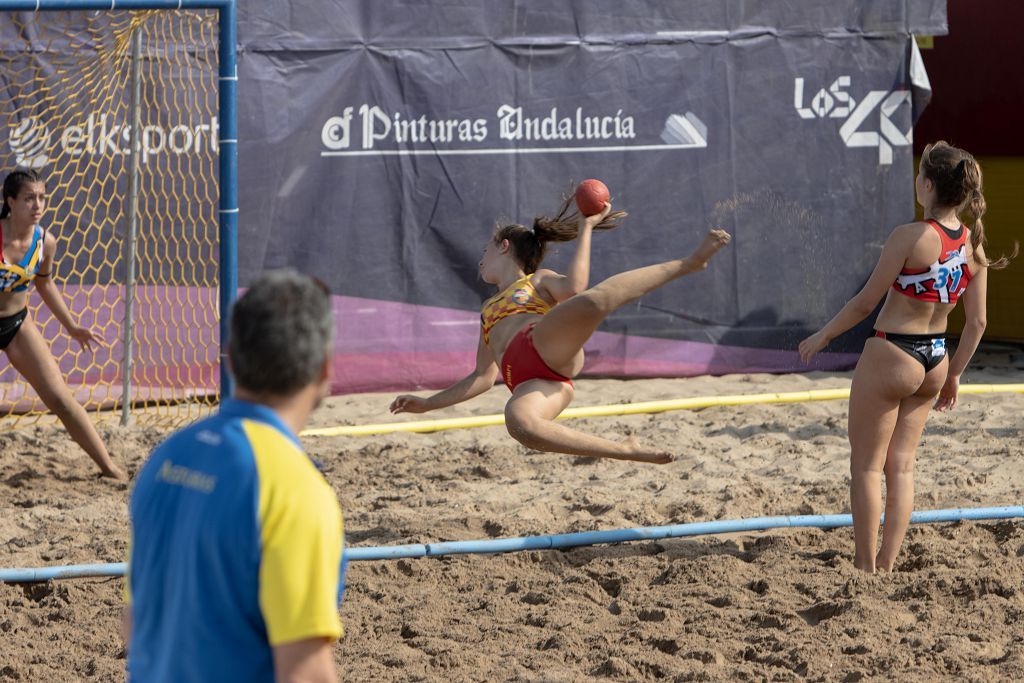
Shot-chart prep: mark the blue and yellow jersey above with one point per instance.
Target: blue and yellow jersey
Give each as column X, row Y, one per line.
column 16, row 277
column 236, row 547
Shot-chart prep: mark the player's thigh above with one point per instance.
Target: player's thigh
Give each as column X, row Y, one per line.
column 31, row 357
column 910, row 422
column 885, row 375
column 538, row 399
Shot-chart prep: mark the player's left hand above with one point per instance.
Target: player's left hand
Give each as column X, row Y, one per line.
column 810, row 346
column 84, row 336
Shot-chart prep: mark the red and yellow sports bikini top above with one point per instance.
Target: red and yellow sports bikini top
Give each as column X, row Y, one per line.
column 946, row 279
column 519, row 297
column 16, row 277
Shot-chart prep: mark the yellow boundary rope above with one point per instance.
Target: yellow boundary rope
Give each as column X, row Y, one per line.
column 423, row 426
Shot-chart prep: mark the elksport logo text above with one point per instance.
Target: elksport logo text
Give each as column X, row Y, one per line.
column 32, row 142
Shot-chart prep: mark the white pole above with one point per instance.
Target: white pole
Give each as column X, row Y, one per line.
column 133, row 224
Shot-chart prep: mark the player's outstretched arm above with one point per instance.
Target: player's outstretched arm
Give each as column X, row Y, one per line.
column 475, row 383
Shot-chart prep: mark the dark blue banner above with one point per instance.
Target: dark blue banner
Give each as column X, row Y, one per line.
column 380, row 143
column 386, row 145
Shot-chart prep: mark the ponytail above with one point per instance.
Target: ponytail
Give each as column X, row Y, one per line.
column 564, row 226
column 530, row 244
column 958, row 183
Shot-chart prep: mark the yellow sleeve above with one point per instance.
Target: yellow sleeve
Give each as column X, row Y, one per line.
column 301, row 534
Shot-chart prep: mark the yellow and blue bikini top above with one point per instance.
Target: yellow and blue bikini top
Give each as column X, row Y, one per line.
column 16, row 277
column 519, row 297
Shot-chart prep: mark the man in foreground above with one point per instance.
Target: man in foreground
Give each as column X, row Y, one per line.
column 236, row 538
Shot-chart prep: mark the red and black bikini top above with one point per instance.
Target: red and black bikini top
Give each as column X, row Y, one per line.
column 946, row 279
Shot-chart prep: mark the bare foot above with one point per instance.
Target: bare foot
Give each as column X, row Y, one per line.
column 640, row 454
column 713, row 241
column 868, row 567
column 656, row 457
column 883, row 567
column 114, row 472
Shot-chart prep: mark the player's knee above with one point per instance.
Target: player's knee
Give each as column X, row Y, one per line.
column 599, row 297
column 523, row 437
column 867, row 467
column 895, row 466
column 521, row 424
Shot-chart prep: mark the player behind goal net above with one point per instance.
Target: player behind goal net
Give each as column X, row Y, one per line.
column 136, row 233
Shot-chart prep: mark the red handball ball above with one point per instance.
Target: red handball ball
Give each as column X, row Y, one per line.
column 591, row 195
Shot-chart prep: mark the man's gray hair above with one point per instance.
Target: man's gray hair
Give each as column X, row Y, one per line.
column 282, row 329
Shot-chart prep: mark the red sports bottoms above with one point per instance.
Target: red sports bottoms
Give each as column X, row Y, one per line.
column 521, row 362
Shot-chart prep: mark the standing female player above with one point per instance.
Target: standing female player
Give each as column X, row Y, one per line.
column 534, row 329
column 924, row 268
column 26, row 255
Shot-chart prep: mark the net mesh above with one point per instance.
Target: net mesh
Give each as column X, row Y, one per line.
column 65, row 109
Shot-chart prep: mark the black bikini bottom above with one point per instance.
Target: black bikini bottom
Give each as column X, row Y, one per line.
column 9, row 326
column 924, row 348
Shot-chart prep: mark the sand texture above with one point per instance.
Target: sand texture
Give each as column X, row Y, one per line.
column 778, row 605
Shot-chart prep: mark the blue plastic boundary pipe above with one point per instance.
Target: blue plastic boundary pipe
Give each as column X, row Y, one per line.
column 228, row 145
column 53, row 5
column 228, row 142
column 558, row 541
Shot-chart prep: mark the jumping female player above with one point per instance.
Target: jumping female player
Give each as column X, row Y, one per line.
column 534, row 329
column 26, row 255
column 924, row 268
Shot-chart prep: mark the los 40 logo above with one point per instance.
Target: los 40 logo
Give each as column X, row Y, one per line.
column 836, row 103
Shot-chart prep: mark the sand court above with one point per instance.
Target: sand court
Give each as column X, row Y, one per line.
column 773, row 605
